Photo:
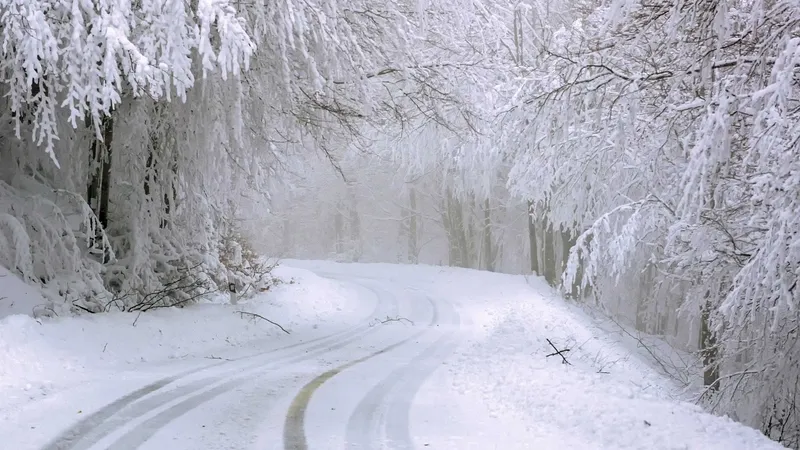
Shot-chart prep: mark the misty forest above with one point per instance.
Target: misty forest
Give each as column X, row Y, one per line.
column 641, row 156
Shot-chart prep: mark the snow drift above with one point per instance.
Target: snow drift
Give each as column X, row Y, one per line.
column 38, row 356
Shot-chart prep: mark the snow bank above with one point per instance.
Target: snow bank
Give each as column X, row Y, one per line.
column 16, row 297
column 611, row 396
column 607, row 398
column 41, row 355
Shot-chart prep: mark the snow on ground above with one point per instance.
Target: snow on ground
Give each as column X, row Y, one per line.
column 16, row 297
column 43, row 355
column 629, row 406
column 497, row 390
column 608, row 398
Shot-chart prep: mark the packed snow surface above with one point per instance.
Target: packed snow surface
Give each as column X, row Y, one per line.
column 379, row 356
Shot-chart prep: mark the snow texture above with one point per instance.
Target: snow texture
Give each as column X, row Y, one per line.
column 497, row 389
column 39, row 356
column 500, row 377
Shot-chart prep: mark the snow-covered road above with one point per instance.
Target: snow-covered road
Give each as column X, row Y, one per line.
column 364, row 402
column 184, row 410
column 383, row 356
column 350, row 388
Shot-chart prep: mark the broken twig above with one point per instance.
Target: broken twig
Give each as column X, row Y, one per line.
column 559, row 353
column 243, row 313
column 390, row 319
column 397, row 319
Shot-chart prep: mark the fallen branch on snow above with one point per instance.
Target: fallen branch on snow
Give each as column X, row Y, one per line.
column 669, row 368
column 82, row 307
column 601, row 362
column 392, row 319
column 259, row 316
column 47, row 310
column 559, row 353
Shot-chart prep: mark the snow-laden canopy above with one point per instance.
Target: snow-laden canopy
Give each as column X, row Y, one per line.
column 652, row 145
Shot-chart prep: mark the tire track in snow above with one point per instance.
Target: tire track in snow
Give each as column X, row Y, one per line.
column 70, row 437
column 96, row 426
column 117, row 414
column 147, row 429
column 381, row 418
column 294, row 437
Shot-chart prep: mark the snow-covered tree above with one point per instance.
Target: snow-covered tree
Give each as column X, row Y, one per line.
column 663, row 133
column 642, row 153
column 141, row 127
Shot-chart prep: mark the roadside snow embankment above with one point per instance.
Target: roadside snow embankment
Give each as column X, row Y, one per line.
column 38, row 356
column 609, row 396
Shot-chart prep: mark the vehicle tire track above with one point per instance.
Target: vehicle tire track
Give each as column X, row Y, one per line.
column 382, row 416
column 397, row 427
column 147, row 429
column 69, row 437
column 117, row 414
column 294, row 437
column 93, row 428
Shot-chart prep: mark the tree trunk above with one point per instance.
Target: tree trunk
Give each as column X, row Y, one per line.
column 338, row 223
column 287, row 235
column 488, row 253
column 567, row 242
column 355, row 232
column 452, row 250
column 170, row 192
column 159, row 175
column 534, row 248
column 708, row 348
column 643, row 316
column 99, row 186
column 708, row 342
column 549, row 254
column 460, row 230
column 456, row 234
column 413, row 245
column 149, row 174
column 105, row 175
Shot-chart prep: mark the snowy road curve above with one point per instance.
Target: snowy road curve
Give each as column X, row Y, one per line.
column 380, row 356
column 348, row 389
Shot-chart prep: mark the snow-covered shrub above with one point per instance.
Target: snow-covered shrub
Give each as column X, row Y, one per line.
column 249, row 271
column 45, row 239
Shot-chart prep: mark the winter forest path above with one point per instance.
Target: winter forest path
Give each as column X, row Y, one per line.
column 380, row 356
column 350, row 389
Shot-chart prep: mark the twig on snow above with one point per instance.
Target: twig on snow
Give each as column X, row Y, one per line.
column 559, row 353
column 243, row 313
column 82, row 307
column 45, row 308
column 675, row 374
column 397, row 319
column 601, row 363
column 391, row 319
